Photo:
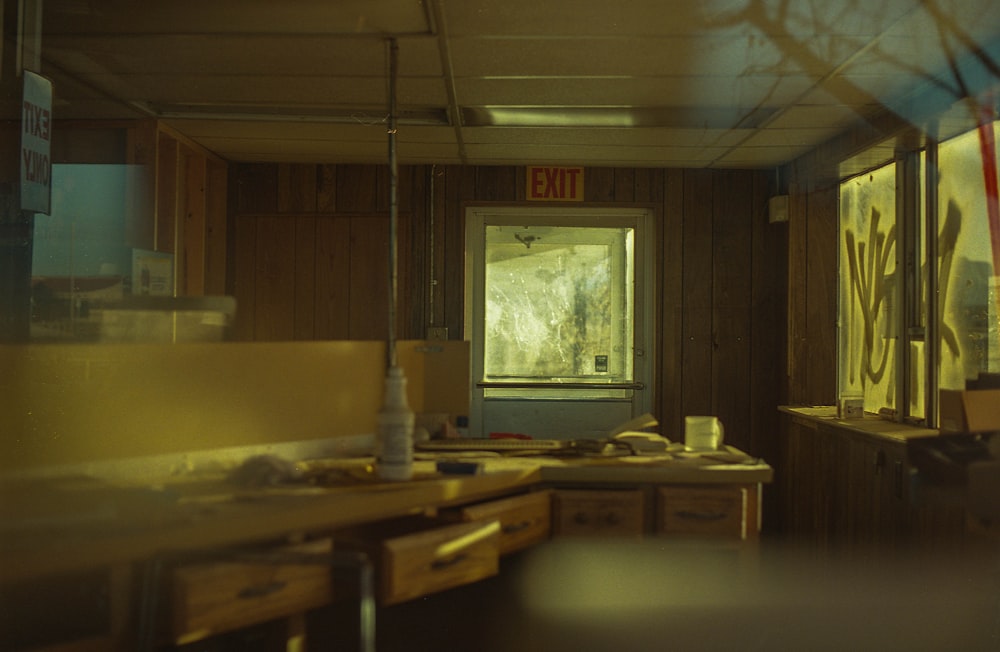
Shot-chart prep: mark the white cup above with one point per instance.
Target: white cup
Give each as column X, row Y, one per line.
column 703, row 433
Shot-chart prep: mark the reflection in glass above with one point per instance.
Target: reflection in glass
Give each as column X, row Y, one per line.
column 558, row 301
column 968, row 282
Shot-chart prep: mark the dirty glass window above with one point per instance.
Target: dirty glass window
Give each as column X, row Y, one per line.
column 967, row 277
column 868, row 308
column 558, row 301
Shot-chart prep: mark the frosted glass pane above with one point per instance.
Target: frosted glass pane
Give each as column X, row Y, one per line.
column 558, row 304
column 969, row 339
column 868, row 288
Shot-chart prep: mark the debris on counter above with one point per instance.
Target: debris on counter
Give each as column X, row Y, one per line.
column 265, row 471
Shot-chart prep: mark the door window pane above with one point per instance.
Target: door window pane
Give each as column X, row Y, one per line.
column 558, row 304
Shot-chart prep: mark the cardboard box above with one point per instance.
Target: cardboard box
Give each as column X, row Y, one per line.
column 975, row 410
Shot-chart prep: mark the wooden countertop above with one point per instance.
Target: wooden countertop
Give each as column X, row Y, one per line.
column 727, row 466
column 60, row 525
column 870, row 425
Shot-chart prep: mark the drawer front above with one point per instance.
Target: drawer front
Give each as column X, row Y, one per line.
column 524, row 520
column 582, row 512
column 434, row 560
column 213, row 597
column 702, row 511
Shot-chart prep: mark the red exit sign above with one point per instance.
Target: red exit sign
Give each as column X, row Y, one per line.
column 554, row 184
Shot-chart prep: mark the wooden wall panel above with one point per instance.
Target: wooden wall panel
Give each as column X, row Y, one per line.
column 166, row 193
column 274, row 297
column 731, row 290
column 216, row 255
column 720, row 272
column 296, row 187
column 141, row 209
column 798, row 213
column 368, row 304
column 459, row 189
column 244, row 257
column 438, row 229
column 305, row 277
column 193, row 276
column 624, row 184
column 333, row 268
column 672, row 304
column 697, row 391
column 821, row 293
column 599, row 184
column 496, row 183
column 768, row 321
column 326, row 190
column 357, row 189
column 255, row 189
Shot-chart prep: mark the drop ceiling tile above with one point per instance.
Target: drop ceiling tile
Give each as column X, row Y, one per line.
column 328, row 151
column 306, row 131
column 712, row 91
column 788, row 137
column 638, row 137
column 279, row 91
column 285, row 54
column 593, row 155
column 246, row 16
column 759, row 157
column 582, row 17
column 820, row 118
column 633, row 56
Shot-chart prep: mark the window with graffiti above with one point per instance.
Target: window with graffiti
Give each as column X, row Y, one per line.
column 966, row 250
column 872, row 326
column 867, row 288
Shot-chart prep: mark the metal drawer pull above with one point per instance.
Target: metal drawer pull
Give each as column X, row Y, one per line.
column 261, row 590
column 701, row 516
column 516, row 527
column 439, row 564
column 542, row 385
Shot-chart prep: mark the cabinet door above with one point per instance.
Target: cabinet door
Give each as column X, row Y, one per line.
column 585, row 512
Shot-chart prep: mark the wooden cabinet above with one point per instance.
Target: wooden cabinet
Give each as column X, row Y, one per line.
column 852, row 492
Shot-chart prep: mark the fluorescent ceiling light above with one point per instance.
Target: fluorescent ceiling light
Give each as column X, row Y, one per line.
column 615, row 116
column 434, row 117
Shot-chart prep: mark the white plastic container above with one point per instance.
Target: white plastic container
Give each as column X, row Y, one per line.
column 394, row 433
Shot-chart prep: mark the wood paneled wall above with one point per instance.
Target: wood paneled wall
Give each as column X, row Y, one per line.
column 309, row 248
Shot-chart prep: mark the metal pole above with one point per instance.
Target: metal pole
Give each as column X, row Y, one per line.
column 393, row 208
column 932, row 341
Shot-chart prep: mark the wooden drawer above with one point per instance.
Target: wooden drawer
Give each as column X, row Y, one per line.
column 524, row 520
column 213, row 597
column 719, row 512
column 585, row 512
column 425, row 562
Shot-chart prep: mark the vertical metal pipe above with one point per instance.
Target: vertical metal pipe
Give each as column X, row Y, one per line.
column 932, row 337
column 393, row 208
